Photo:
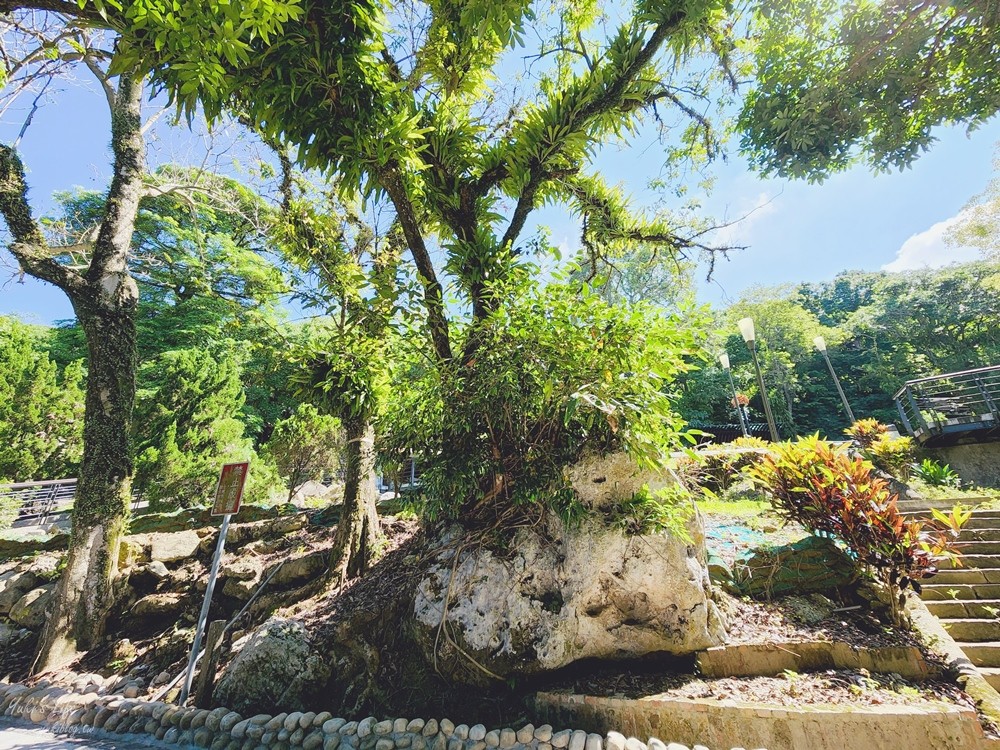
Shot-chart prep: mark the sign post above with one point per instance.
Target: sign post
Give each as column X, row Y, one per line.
column 228, row 495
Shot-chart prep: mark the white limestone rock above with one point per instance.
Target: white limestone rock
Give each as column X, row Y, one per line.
column 271, row 670
column 560, row 595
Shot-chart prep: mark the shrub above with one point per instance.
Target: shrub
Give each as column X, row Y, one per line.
column 827, row 490
column 936, row 474
column 894, row 456
column 551, row 373
column 720, row 466
column 9, row 508
column 864, row 432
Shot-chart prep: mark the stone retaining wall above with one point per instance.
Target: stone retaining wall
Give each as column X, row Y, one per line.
column 720, row 723
column 770, row 659
column 222, row 729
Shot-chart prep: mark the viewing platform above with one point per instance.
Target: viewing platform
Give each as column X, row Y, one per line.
column 958, row 407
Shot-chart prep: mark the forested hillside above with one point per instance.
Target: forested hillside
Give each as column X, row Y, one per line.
column 882, row 330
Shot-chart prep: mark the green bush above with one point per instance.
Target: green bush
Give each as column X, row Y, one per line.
column 722, row 465
column 551, row 373
column 894, row 456
column 829, row 491
column 936, row 474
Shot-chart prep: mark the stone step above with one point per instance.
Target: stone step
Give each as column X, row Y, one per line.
column 931, row 592
column 922, row 507
column 959, row 608
column 973, row 561
column 992, row 675
column 972, row 629
column 970, row 576
column 977, row 547
column 980, row 535
column 982, row 522
column 985, row 654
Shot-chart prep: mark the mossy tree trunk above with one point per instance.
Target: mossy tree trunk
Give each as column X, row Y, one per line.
column 358, row 535
column 104, row 297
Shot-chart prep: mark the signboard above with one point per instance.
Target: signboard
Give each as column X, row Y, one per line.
column 227, row 502
column 229, row 493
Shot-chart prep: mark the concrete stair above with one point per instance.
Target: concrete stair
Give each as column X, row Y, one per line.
column 966, row 597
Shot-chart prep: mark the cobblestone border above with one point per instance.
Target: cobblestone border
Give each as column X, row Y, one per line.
column 221, row 729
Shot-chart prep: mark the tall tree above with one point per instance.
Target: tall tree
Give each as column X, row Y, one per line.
column 416, row 105
column 352, row 275
column 104, row 296
column 94, row 273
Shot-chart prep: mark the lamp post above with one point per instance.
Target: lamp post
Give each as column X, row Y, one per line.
column 820, row 343
column 747, row 331
column 724, row 361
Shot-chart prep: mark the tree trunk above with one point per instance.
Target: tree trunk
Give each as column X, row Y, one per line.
column 84, row 593
column 105, row 299
column 356, row 543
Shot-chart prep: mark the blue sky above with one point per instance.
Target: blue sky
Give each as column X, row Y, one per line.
column 795, row 231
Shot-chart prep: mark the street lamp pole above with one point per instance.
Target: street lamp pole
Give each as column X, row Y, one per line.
column 820, row 343
column 724, row 361
column 749, row 336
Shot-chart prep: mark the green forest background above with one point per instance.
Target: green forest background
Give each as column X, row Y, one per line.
column 215, row 336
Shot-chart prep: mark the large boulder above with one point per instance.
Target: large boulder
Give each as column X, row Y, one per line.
column 179, row 545
column 31, row 610
column 558, row 594
column 13, row 585
column 275, row 667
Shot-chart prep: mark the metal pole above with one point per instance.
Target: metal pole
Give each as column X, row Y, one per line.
column 736, row 403
column 836, row 382
column 203, row 617
column 772, row 425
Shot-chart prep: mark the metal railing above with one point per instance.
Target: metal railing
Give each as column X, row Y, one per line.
column 39, row 500
column 953, row 403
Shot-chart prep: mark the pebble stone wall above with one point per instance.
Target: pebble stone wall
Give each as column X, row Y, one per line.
column 222, row 729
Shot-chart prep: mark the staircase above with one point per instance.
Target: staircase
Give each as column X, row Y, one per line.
column 966, row 599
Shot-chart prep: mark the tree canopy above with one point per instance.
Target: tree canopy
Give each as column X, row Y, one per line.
column 838, row 82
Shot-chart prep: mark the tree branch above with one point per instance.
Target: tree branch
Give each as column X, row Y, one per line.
column 114, row 240
column 29, row 247
column 392, row 181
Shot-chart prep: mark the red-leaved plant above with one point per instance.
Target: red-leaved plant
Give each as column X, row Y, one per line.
column 828, row 490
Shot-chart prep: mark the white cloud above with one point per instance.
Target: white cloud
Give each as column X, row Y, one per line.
column 750, row 211
column 929, row 250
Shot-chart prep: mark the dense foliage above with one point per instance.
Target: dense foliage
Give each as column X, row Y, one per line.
column 41, row 408
column 555, row 373
column 839, row 81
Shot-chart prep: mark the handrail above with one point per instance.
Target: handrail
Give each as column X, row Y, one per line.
column 947, row 375
column 41, row 483
column 951, row 403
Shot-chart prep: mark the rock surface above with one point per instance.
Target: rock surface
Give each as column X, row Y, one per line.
column 274, row 666
column 560, row 595
column 14, row 585
column 173, row 547
column 811, row 565
column 31, row 609
column 166, row 605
